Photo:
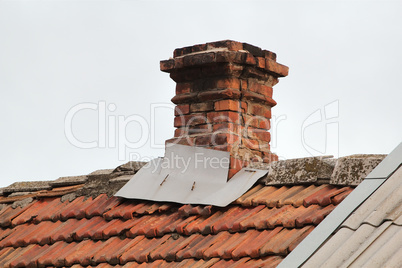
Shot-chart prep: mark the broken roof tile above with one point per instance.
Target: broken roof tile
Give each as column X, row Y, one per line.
column 27, row 186
column 68, row 181
column 351, row 170
column 298, row 171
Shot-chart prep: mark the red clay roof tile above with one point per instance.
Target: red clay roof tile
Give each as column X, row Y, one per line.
column 27, row 258
column 317, row 196
column 257, row 197
column 256, row 230
column 242, row 199
column 97, row 207
column 116, row 227
column 339, row 198
column 8, row 214
column 205, row 227
column 76, row 209
column 64, row 231
column 211, row 251
column 59, row 191
column 52, row 213
column 86, row 228
column 115, row 257
column 5, row 253
column 298, row 199
column 51, row 253
column 5, row 232
column 178, row 246
column 12, row 256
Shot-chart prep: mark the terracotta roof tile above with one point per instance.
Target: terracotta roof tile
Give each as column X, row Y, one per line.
column 258, row 229
column 8, row 214
column 50, row 255
column 242, row 199
column 64, row 232
column 297, row 199
column 339, row 198
column 12, row 256
column 178, row 246
column 76, row 209
column 319, row 196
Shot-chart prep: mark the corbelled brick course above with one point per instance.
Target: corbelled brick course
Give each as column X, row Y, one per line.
column 224, row 98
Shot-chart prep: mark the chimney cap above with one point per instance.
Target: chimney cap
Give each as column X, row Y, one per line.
column 226, row 51
column 229, row 45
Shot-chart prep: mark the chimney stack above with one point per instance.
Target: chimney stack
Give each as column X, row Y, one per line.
column 224, row 99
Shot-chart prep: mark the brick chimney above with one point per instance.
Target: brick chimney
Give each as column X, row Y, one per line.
column 224, row 99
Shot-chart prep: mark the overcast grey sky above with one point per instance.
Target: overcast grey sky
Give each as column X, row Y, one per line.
column 342, row 95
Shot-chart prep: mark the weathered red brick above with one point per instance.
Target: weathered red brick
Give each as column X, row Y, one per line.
column 186, row 74
column 264, row 123
column 225, row 116
column 251, row 121
column 219, row 94
column 260, row 134
column 204, row 140
column 182, row 88
column 249, row 59
column 260, row 88
column 222, row 70
column 269, row 54
column 228, row 56
column 264, row 146
column 201, row 107
column 243, row 83
column 276, row 68
column 178, row 63
column 260, row 62
column 166, row 65
column 260, row 110
column 250, row 143
column 244, row 107
column 200, row 129
column 269, row 157
column 227, row 105
column 190, row 120
column 249, row 95
column 225, row 148
column 184, row 98
column 256, row 51
column 198, row 59
column 200, row 47
column 224, row 139
column 229, row 44
column 180, row 132
column 182, row 109
column 182, row 51
column 235, row 128
column 222, row 83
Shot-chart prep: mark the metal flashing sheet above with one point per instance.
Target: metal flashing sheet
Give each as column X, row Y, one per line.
column 190, row 175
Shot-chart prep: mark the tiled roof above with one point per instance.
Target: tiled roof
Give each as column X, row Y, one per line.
column 77, row 222
column 371, row 236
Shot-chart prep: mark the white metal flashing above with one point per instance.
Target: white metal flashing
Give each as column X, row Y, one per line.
column 190, row 175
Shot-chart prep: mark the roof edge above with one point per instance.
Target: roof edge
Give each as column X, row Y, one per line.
column 323, row 231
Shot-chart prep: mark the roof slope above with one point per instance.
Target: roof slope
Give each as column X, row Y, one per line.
column 68, row 223
column 371, row 236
